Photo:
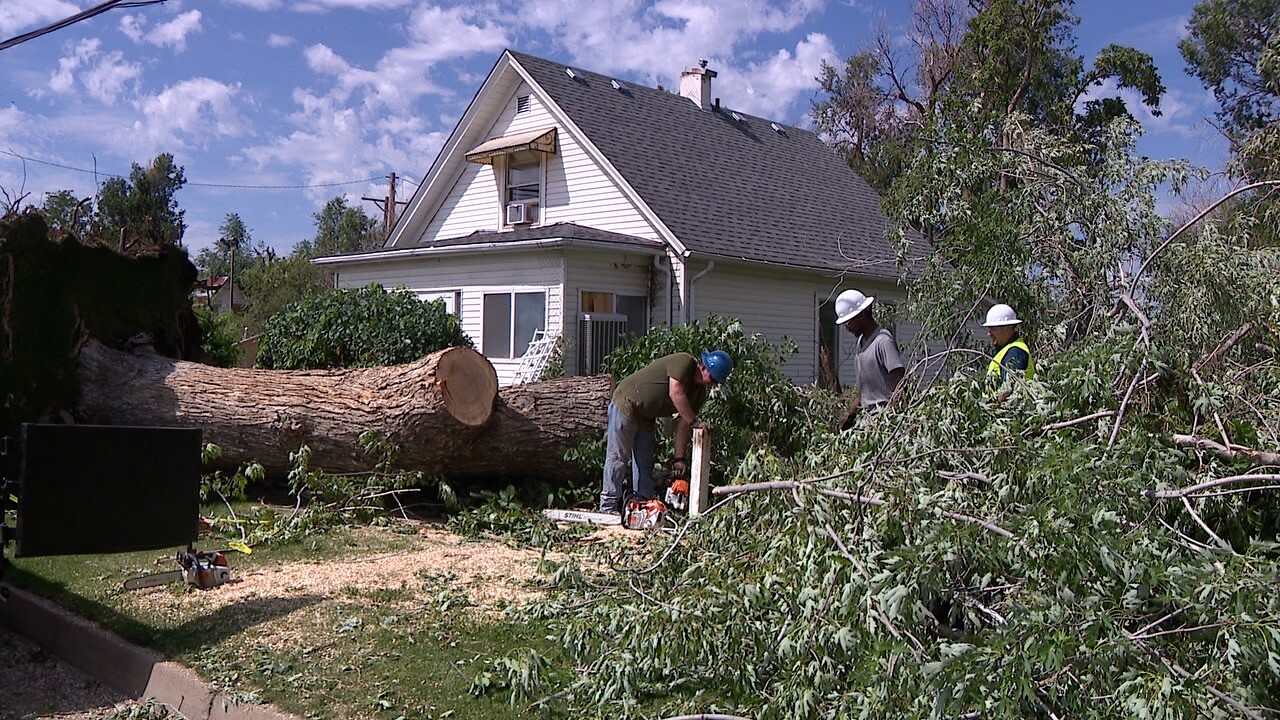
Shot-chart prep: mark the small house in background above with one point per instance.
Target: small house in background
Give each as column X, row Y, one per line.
column 216, row 293
column 570, row 204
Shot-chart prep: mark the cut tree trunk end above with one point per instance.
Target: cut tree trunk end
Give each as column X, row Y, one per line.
column 442, row 412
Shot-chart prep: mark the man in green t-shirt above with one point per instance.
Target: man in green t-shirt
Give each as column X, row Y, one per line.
column 675, row 384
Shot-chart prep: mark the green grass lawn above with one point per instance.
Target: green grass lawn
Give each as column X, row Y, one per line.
column 403, row 652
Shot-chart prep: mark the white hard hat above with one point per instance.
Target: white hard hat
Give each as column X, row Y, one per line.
column 1001, row 315
column 849, row 303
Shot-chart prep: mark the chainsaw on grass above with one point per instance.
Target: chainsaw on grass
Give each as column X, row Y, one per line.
column 198, row 569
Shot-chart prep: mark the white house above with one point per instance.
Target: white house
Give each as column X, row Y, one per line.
column 573, row 203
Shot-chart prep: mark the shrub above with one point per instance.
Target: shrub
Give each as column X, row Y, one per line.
column 218, row 337
column 759, row 406
column 358, row 328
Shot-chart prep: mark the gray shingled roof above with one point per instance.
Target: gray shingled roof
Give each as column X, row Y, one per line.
column 728, row 188
column 568, row 231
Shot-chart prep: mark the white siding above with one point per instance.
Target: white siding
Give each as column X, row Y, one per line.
column 575, row 188
column 781, row 303
column 474, row 275
column 619, row 273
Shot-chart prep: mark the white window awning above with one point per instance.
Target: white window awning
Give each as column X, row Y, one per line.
column 543, row 140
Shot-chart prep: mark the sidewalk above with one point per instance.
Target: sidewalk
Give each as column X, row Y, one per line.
column 128, row 670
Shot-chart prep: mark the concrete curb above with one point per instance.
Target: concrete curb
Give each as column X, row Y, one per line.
column 119, row 664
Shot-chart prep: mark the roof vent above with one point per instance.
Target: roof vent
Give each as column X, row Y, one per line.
column 615, row 84
column 733, row 114
column 777, row 128
column 522, row 104
column 572, row 75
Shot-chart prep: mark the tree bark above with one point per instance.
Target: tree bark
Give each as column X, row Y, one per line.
column 441, row 412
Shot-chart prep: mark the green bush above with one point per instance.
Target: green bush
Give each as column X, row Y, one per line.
column 218, row 337
column 760, row 406
column 361, row 327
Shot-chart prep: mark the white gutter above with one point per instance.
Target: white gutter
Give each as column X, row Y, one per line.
column 407, row 253
column 688, row 298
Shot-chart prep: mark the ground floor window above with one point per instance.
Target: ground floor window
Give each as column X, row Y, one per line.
column 451, row 299
column 510, row 321
column 635, row 307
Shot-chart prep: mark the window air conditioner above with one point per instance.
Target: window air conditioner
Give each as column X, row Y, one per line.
column 521, row 212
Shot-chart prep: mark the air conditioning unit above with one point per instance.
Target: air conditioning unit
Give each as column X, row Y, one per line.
column 598, row 335
column 525, row 211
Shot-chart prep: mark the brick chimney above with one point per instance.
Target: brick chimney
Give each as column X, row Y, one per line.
column 695, row 84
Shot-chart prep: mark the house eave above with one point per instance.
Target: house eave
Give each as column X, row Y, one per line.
column 519, row 245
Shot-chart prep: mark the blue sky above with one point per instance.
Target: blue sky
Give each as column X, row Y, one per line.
column 336, row 94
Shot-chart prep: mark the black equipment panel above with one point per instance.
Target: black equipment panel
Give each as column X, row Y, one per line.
column 88, row 489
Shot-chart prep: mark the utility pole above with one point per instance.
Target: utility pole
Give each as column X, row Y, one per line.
column 231, row 281
column 387, row 205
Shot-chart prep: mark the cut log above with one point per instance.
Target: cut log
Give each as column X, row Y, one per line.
column 442, row 412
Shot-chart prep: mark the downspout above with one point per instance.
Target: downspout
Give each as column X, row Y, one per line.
column 671, row 284
column 688, row 308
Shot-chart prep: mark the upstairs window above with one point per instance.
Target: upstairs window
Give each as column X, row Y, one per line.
column 524, row 177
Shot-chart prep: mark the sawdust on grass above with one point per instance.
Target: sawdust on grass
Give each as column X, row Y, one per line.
column 490, row 574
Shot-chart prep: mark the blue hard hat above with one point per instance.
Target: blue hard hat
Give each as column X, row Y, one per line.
column 719, row 364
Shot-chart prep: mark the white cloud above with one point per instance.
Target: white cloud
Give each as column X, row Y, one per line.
column 620, row 36
column 257, row 4
column 768, row 88
column 326, row 5
column 167, row 34
column 103, row 75
column 1177, row 113
column 174, row 33
column 19, row 15
column 279, row 41
column 190, row 113
column 1155, row 34
column 402, row 75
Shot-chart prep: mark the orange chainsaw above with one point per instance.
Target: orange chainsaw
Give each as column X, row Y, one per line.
column 198, row 569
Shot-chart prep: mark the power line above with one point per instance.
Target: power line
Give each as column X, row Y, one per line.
column 198, row 184
column 82, row 15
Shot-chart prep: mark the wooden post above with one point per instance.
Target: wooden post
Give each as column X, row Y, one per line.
column 700, row 472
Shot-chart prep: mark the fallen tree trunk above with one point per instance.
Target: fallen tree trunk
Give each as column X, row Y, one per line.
column 442, row 412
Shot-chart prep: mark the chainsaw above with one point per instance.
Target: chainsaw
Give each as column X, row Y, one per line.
column 198, row 569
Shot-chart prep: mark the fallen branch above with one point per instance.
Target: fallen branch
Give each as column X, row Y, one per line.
column 1232, row 452
column 877, row 502
column 1133, row 282
column 1181, row 672
column 1078, row 421
column 1214, row 357
column 1183, row 492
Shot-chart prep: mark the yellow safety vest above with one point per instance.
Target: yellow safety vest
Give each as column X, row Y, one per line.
column 994, row 367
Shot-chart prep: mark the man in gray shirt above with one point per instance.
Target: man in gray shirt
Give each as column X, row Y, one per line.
column 879, row 364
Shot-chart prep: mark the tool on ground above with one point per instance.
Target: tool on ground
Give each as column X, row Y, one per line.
column 642, row 513
column 582, row 516
column 198, row 569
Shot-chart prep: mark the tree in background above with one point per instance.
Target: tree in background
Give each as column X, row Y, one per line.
column 361, row 327
column 67, row 213
column 233, row 238
column 278, row 283
column 1233, row 47
column 977, row 81
column 143, row 206
column 341, row 229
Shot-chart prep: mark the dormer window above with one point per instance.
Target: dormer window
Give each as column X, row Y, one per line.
column 523, row 187
column 518, row 162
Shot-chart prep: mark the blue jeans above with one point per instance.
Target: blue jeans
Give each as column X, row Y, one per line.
column 627, row 443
